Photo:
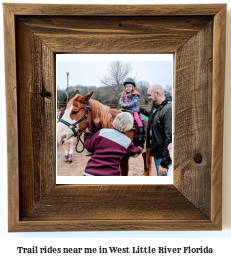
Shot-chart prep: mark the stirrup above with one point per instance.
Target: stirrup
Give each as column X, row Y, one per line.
column 141, row 129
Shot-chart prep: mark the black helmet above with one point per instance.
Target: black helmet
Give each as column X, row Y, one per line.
column 130, row 80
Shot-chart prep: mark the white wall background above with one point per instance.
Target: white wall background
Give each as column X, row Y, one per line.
column 224, row 235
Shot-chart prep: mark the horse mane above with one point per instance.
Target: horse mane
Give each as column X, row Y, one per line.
column 102, row 115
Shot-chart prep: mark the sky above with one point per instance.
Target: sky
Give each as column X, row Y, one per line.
column 87, row 69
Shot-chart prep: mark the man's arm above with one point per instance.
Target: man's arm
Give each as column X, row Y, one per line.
column 145, row 112
column 166, row 160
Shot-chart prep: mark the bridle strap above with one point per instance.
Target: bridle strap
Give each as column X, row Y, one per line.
column 72, row 126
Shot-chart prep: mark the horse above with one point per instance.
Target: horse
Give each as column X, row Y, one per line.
column 83, row 112
column 60, row 113
column 70, row 144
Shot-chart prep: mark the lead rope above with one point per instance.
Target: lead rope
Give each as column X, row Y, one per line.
column 79, row 140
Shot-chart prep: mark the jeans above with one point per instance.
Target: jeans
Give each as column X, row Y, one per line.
column 157, row 163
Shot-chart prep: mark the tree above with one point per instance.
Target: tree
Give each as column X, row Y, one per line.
column 168, row 91
column 72, row 92
column 142, row 87
column 61, row 94
column 117, row 72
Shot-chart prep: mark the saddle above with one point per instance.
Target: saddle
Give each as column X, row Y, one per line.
column 140, row 136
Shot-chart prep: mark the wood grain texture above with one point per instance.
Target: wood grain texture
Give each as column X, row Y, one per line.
column 113, row 225
column 114, row 10
column 108, row 207
column 27, row 169
column 218, row 114
column 36, row 99
column 193, row 103
column 12, row 120
column 194, row 35
column 114, row 202
column 115, row 34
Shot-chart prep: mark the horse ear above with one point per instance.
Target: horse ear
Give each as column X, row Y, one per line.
column 87, row 97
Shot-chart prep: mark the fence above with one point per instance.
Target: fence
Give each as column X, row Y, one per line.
column 61, row 104
column 112, row 106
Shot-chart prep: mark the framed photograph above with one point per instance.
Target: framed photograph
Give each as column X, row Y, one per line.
column 104, row 74
column 34, row 34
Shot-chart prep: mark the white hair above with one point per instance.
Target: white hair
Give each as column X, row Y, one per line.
column 123, row 122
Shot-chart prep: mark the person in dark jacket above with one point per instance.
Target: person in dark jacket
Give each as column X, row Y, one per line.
column 108, row 146
column 159, row 130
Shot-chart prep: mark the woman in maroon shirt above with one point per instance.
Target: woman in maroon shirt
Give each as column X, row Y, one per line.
column 108, row 146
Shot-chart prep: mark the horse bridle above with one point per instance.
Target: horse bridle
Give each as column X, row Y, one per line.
column 72, row 126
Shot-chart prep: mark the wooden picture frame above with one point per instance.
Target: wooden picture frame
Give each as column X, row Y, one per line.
column 33, row 34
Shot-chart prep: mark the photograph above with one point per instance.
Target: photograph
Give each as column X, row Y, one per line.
column 114, row 118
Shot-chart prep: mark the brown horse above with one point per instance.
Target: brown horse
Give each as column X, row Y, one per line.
column 60, row 113
column 83, row 112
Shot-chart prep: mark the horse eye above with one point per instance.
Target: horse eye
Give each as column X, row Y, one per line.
column 74, row 112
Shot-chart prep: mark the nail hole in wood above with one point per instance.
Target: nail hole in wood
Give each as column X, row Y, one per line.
column 198, row 158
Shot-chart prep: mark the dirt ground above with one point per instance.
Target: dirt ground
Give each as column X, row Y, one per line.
column 76, row 168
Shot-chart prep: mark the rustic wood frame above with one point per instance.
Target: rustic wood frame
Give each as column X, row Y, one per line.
column 33, row 33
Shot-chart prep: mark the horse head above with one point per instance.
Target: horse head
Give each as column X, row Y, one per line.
column 75, row 118
column 61, row 112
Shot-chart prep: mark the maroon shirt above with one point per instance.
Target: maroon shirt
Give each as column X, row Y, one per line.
column 107, row 147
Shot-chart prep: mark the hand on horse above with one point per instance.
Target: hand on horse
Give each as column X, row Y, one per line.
column 140, row 148
column 90, row 129
column 123, row 105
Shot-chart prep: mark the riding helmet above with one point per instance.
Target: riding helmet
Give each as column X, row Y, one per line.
column 130, row 80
